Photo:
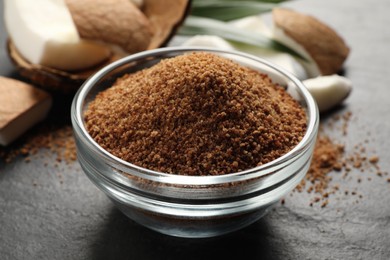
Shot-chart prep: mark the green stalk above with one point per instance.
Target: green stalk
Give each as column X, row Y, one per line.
column 229, row 10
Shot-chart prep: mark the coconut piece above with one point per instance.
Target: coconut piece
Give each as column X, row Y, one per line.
column 329, row 91
column 256, row 24
column 165, row 17
column 117, row 22
column 22, row 106
column 318, row 41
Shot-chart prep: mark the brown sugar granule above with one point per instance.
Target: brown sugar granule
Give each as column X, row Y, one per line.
column 373, row 159
column 196, row 114
column 324, row 203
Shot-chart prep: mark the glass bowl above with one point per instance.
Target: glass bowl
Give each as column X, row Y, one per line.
column 192, row 206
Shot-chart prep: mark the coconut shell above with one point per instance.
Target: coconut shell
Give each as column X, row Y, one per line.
column 123, row 25
column 322, row 43
column 165, row 16
column 49, row 78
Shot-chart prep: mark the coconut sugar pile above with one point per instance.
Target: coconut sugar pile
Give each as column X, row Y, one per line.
column 196, row 114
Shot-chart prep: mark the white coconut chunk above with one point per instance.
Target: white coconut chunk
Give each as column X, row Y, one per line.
column 329, row 91
column 44, row 33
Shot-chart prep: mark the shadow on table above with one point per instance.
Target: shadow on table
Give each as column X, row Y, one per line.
column 122, row 238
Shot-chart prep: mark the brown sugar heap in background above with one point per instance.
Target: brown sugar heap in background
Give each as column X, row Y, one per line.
column 196, row 114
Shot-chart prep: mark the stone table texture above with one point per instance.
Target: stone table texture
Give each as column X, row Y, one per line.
column 50, row 210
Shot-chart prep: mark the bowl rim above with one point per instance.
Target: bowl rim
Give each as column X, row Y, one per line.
column 312, row 114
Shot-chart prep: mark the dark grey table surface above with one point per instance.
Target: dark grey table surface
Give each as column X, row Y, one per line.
column 52, row 211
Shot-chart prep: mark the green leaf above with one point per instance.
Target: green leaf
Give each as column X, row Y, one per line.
column 229, row 10
column 204, row 26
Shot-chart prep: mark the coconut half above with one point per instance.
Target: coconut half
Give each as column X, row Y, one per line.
column 158, row 23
